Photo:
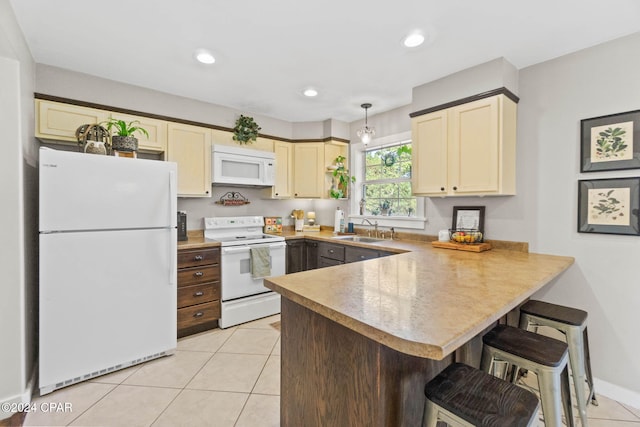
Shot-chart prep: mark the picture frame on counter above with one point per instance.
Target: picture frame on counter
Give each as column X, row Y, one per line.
column 610, row 142
column 609, row 206
column 468, row 218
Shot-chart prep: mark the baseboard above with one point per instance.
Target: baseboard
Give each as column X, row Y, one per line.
column 22, row 398
column 617, row 393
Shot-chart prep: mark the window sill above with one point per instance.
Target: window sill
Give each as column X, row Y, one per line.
column 391, row 221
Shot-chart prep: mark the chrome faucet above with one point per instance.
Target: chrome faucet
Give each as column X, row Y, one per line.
column 375, row 225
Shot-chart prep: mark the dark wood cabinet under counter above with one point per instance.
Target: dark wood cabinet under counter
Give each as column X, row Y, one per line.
column 198, row 290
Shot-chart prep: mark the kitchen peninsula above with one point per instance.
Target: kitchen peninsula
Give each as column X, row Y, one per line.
column 360, row 340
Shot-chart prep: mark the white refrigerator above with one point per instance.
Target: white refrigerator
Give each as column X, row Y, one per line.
column 108, row 257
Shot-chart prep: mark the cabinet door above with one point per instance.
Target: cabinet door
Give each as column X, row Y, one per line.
column 429, row 157
column 58, row 121
column 283, row 187
column 157, row 129
column 190, row 147
column 295, row 256
column 311, row 254
column 474, row 148
column 308, row 166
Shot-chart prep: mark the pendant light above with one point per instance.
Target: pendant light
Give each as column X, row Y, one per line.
column 366, row 133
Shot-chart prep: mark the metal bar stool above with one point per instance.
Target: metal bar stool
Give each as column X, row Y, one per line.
column 573, row 324
column 464, row 396
column 546, row 357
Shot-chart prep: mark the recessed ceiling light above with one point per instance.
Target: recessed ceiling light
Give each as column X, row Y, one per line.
column 310, row 92
column 204, row 56
column 413, row 40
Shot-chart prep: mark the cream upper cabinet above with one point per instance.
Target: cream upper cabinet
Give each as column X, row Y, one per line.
column 308, row 170
column 58, row 121
column 466, row 150
column 190, row 147
column 283, row 187
column 157, row 129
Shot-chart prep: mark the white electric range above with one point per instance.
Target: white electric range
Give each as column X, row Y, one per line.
column 244, row 297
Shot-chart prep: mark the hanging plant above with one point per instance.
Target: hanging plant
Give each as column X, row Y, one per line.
column 246, row 130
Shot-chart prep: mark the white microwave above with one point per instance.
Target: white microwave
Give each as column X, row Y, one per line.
column 238, row 166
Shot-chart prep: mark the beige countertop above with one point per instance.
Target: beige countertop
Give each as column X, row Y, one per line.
column 426, row 302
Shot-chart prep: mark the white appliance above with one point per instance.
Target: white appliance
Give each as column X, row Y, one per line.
column 244, row 297
column 238, row 166
column 107, row 264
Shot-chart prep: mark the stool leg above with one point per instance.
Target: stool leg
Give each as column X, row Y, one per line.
column 430, row 414
column 486, row 361
column 587, row 359
column 550, row 392
column 566, row 399
column 577, row 361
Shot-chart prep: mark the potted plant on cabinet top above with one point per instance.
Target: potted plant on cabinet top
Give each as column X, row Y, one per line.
column 122, row 138
column 341, row 179
column 246, row 130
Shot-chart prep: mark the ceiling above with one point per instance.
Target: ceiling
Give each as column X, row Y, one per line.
column 268, row 51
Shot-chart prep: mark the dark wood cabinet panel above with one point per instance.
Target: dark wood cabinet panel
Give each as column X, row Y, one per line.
column 198, row 314
column 197, row 294
column 198, row 299
column 355, row 254
column 296, row 256
column 193, row 275
column 196, row 257
column 311, row 247
column 328, row 262
column 331, row 251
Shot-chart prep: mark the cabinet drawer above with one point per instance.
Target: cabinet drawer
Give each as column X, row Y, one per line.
column 197, row 314
column 327, row 250
column 354, row 254
column 195, row 275
column 195, row 257
column 328, row 262
column 197, row 294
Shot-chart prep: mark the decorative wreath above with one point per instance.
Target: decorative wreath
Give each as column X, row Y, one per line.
column 246, row 130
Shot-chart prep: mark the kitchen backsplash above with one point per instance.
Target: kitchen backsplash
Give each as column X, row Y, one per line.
column 199, row 208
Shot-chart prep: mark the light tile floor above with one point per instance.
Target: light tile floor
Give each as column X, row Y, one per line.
column 217, row 378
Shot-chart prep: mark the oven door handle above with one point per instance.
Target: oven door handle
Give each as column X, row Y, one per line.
column 246, row 248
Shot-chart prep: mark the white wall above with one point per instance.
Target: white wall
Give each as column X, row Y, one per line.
column 555, row 96
column 18, row 193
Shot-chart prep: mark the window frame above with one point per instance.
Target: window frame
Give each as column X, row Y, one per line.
column 357, row 150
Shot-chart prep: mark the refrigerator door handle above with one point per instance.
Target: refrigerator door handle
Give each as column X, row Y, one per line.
column 173, row 256
column 173, row 208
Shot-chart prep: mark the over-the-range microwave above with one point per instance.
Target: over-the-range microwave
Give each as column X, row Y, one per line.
column 238, row 166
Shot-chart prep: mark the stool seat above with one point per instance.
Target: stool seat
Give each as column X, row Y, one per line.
column 481, row 399
column 558, row 313
column 528, row 345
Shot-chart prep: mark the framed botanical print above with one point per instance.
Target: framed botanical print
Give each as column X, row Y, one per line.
column 610, row 142
column 609, row 206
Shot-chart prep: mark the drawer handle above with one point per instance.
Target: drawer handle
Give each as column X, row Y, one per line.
column 198, row 294
column 362, row 257
column 198, row 314
column 330, row 251
column 198, row 274
column 455, row 188
column 198, row 258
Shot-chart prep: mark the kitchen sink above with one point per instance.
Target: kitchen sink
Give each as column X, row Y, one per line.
column 361, row 239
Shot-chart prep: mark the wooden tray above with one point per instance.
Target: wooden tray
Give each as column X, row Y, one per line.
column 471, row 247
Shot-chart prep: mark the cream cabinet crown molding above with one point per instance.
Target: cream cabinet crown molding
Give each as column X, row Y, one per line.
column 488, row 94
column 111, row 108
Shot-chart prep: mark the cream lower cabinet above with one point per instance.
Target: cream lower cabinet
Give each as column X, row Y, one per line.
column 308, row 170
column 466, row 150
column 190, row 147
